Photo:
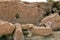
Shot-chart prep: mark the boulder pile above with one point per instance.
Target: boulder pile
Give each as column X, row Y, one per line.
column 46, row 16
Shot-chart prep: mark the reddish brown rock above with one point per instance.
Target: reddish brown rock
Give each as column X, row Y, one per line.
column 48, row 18
column 18, row 35
column 35, row 11
column 6, row 28
column 56, row 23
column 27, row 26
column 54, row 19
column 42, row 31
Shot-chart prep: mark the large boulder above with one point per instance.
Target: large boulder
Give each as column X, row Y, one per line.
column 42, row 31
column 54, row 19
column 18, row 34
column 48, row 18
column 56, row 23
column 6, row 28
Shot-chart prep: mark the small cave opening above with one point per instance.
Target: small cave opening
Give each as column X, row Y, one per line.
column 38, row 6
column 17, row 16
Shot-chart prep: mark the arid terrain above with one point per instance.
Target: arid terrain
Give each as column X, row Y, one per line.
column 29, row 21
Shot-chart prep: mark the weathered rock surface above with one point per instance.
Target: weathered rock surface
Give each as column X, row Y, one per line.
column 6, row 28
column 50, row 18
column 27, row 26
column 18, row 35
column 54, row 19
column 42, row 31
column 38, row 12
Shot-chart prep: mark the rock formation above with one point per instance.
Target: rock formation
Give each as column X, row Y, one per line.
column 54, row 19
column 19, row 20
column 18, row 34
column 6, row 28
